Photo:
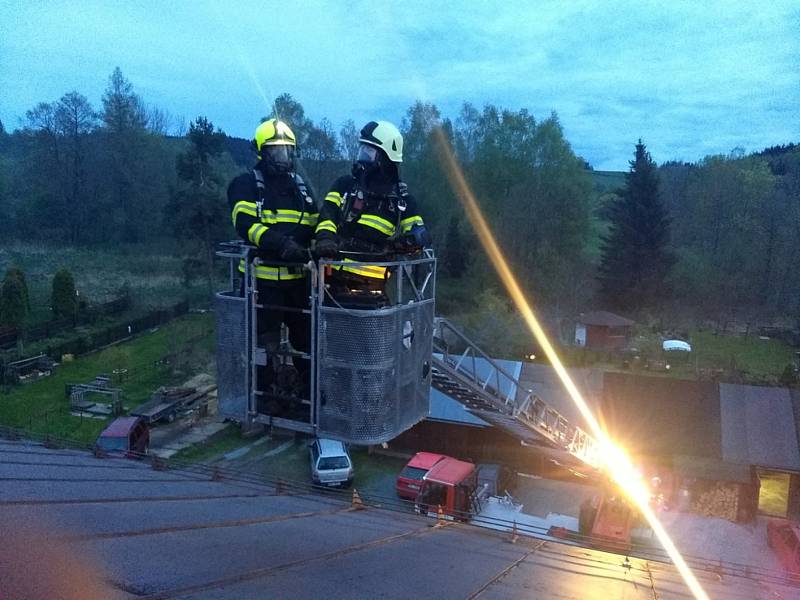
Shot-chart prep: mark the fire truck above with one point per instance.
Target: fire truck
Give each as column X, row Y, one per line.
column 372, row 368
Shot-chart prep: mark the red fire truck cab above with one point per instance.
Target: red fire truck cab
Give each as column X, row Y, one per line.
column 451, row 484
column 409, row 480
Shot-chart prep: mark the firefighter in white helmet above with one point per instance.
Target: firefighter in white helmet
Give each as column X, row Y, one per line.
column 369, row 213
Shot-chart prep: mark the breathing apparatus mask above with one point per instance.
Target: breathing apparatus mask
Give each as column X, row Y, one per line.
column 278, row 159
column 372, row 166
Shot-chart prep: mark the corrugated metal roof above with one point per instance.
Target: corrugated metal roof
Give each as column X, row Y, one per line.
column 177, row 534
column 758, row 426
column 711, row 469
column 660, row 416
column 604, row 318
column 444, row 408
column 543, row 381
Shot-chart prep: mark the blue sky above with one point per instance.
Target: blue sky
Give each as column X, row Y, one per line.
column 689, row 78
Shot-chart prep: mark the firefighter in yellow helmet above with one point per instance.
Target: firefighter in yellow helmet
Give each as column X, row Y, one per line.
column 272, row 209
column 369, row 212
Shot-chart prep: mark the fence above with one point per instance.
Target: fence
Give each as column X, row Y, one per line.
column 98, row 339
column 87, row 316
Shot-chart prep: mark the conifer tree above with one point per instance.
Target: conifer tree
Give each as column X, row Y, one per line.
column 636, row 262
column 63, row 299
column 13, row 300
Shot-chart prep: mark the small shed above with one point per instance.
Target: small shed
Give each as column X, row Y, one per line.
column 602, row 330
column 715, row 488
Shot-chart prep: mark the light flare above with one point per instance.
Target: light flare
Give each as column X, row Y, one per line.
column 223, row 18
column 612, row 456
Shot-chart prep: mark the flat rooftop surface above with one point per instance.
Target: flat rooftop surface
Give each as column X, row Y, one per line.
column 75, row 526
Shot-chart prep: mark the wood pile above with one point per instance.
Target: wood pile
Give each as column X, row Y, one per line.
column 721, row 500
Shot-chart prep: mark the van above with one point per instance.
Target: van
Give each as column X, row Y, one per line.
column 125, row 434
column 410, row 478
column 330, row 463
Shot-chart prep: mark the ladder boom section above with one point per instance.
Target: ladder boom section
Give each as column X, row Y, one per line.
column 486, row 388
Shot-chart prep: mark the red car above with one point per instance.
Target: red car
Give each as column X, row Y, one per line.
column 128, row 435
column 784, row 538
column 410, row 478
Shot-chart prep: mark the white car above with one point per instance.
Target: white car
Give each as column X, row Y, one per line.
column 676, row 346
column 330, row 463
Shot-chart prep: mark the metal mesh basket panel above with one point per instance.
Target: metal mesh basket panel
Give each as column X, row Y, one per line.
column 232, row 366
column 373, row 371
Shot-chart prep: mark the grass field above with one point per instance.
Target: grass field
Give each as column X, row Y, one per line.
column 43, row 407
column 607, row 181
column 213, row 447
column 751, row 359
column 373, row 472
column 155, row 278
column 756, row 356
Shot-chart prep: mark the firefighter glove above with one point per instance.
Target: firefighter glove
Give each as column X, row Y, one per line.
column 291, row 251
column 327, row 247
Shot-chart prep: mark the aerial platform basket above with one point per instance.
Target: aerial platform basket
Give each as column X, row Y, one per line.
column 370, row 367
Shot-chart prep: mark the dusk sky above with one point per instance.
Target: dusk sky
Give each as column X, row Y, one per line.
column 689, row 78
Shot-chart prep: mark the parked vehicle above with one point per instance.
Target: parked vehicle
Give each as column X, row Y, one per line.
column 452, row 486
column 784, row 537
column 606, row 522
column 410, row 478
column 167, row 403
column 499, row 479
column 330, row 463
column 128, row 435
column 451, row 491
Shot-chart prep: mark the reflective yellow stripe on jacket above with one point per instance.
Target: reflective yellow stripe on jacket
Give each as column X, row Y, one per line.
column 335, row 198
column 285, row 215
column 255, row 232
column 408, row 224
column 243, row 207
column 327, row 225
column 275, row 273
column 379, row 223
column 373, row 271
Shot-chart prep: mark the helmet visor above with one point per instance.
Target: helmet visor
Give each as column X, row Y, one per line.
column 367, row 153
column 280, row 154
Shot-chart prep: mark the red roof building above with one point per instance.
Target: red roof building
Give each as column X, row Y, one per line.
column 601, row 330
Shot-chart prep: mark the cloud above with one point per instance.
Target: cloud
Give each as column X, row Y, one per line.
column 689, row 78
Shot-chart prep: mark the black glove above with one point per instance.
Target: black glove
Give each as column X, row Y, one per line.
column 405, row 245
column 291, row 251
column 326, row 247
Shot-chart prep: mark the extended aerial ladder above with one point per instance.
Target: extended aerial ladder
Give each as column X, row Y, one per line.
column 372, row 368
column 488, row 390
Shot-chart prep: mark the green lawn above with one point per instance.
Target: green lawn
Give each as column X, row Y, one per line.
column 756, row 360
column 213, row 447
column 154, row 276
column 761, row 358
column 43, row 407
column 607, row 181
column 374, row 473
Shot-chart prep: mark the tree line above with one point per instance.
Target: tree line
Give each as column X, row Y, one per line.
column 715, row 239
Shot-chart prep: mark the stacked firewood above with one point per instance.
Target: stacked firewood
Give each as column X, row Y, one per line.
column 722, row 500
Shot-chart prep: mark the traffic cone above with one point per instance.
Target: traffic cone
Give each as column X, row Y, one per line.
column 514, row 533
column 356, row 503
column 440, row 520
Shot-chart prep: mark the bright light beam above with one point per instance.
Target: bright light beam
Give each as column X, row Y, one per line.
column 223, row 19
column 618, row 464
